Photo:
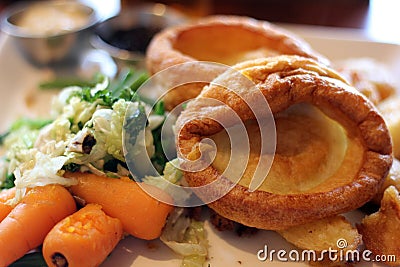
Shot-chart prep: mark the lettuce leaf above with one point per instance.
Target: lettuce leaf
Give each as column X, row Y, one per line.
column 186, row 237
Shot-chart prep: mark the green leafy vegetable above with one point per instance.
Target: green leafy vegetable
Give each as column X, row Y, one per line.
column 33, row 124
column 158, row 159
column 61, row 83
column 108, row 125
column 193, row 261
column 8, row 182
column 122, row 88
column 172, row 173
column 159, row 108
column 186, row 237
column 72, row 167
column 103, row 96
column 3, row 137
column 128, row 81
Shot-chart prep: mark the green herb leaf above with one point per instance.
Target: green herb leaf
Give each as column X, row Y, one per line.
column 128, row 80
column 8, row 182
column 158, row 159
column 72, row 167
column 34, row 124
column 159, row 108
column 124, row 87
column 61, row 83
column 3, row 137
column 140, row 78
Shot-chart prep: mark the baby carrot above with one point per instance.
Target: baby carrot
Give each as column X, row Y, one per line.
column 83, row 239
column 141, row 215
column 31, row 219
column 5, row 195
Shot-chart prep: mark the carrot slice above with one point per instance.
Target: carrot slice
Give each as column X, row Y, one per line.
column 26, row 226
column 6, row 195
column 141, row 215
column 84, row 238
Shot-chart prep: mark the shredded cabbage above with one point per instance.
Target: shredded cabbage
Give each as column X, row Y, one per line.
column 85, row 134
column 171, row 176
column 3, row 171
column 186, row 237
column 171, row 173
column 42, row 170
column 107, row 126
column 18, row 145
column 61, row 100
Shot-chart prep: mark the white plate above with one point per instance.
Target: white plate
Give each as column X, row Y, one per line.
column 18, row 81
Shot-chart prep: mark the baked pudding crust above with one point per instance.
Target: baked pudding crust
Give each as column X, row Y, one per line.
column 222, row 39
column 313, row 153
column 285, row 81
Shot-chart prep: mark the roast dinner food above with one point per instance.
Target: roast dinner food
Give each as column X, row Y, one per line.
column 380, row 230
column 332, row 153
column 223, row 39
column 333, row 148
column 321, row 234
column 371, row 78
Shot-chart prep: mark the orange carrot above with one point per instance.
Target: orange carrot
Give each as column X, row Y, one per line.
column 84, row 238
column 31, row 219
column 141, row 215
column 6, row 195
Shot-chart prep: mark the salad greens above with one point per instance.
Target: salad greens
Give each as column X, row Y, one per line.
column 85, row 133
column 33, row 124
column 183, row 234
column 187, row 238
column 61, row 83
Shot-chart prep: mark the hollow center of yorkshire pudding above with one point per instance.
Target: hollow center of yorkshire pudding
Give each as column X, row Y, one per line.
column 313, row 153
column 224, row 44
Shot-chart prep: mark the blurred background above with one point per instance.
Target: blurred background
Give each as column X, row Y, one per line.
column 128, row 27
column 342, row 13
column 377, row 17
column 113, row 42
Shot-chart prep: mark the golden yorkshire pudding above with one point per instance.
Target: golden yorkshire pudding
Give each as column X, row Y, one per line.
column 381, row 230
column 333, row 149
column 372, row 78
column 222, row 39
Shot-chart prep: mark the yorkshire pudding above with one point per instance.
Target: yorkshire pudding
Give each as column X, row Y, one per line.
column 333, row 148
column 222, row 39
